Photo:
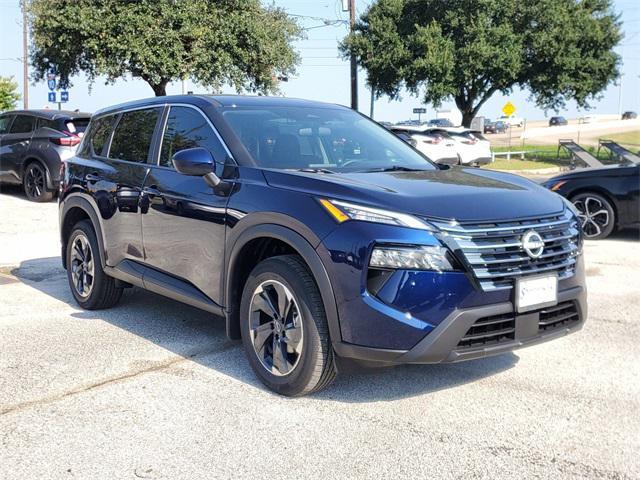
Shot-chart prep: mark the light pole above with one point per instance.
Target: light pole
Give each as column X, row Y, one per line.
column 354, row 65
column 25, row 58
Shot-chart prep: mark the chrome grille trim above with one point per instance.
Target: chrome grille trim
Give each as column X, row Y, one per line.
column 494, row 253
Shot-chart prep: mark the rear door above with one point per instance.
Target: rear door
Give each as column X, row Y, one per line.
column 183, row 220
column 120, row 147
column 14, row 146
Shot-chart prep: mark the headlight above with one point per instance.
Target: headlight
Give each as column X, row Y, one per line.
column 343, row 211
column 412, row 258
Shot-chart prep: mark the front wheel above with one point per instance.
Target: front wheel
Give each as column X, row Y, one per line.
column 596, row 215
column 284, row 327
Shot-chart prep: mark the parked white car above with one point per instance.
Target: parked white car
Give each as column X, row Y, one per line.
column 512, row 120
column 435, row 143
column 472, row 147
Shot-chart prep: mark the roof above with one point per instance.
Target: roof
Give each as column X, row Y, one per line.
column 51, row 114
column 221, row 101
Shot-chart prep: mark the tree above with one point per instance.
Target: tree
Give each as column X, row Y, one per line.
column 558, row 50
column 8, row 94
column 235, row 42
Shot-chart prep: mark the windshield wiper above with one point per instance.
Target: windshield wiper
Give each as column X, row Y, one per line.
column 314, row 170
column 395, row 168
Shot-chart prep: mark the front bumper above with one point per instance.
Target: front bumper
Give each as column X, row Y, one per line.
column 443, row 344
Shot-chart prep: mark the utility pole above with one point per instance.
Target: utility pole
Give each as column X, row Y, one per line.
column 354, row 65
column 25, row 55
column 373, row 100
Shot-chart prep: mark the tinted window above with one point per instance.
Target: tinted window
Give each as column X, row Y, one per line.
column 132, row 137
column 45, row 123
column 77, row 126
column 97, row 136
column 319, row 137
column 22, row 124
column 5, row 122
column 188, row 128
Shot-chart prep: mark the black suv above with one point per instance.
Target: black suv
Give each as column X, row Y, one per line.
column 316, row 233
column 33, row 143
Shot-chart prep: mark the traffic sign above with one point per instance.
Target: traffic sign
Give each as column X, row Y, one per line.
column 52, row 97
column 509, row 109
column 419, row 110
column 51, row 83
column 64, row 96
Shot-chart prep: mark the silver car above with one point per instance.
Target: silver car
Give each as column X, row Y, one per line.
column 33, row 143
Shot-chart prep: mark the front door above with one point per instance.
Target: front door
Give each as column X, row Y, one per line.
column 183, row 218
column 14, row 147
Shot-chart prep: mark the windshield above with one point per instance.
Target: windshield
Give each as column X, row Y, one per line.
column 323, row 139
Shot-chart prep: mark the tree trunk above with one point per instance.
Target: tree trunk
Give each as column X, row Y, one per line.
column 466, row 108
column 467, row 117
column 159, row 89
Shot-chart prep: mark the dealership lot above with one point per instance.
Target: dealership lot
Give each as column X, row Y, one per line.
column 153, row 389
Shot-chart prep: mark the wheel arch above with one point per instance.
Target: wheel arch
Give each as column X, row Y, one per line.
column 238, row 268
column 74, row 209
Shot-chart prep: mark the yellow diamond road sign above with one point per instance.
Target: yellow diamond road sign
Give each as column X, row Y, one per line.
column 508, row 109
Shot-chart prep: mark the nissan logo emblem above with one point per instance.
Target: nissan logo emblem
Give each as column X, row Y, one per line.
column 532, row 243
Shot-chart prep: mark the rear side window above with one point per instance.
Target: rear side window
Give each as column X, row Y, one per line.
column 133, row 135
column 188, row 128
column 23, row 124
column 46, row 123
column 5, row 123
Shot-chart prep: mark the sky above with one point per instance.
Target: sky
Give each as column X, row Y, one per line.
column 322, row 75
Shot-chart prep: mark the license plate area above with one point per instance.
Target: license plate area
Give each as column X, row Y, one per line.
column 536, row 292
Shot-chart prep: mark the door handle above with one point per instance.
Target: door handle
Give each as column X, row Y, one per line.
column 91, row 177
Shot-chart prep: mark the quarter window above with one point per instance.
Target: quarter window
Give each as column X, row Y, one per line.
column 188, row 128
column 133, row 135
column 22, row 124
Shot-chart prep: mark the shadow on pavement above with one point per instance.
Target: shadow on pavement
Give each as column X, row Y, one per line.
column 199, row 336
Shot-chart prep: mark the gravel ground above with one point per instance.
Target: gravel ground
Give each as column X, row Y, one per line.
column 153, row 389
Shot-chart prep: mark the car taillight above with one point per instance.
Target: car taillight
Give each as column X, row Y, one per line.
column 433, row 141
column 469, row 142
column 71, row 141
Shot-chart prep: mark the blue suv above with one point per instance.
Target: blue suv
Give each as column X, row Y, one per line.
column 316, row 234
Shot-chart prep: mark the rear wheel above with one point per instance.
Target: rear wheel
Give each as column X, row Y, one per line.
column 596, row 215
column 35, row 183
column 90, row 286
column 284, row 327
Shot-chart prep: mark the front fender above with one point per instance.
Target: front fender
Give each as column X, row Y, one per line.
column 305, row 247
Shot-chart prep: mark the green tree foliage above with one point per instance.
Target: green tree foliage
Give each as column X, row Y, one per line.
column 8, row 94
column 468, row 50
column 213, row 42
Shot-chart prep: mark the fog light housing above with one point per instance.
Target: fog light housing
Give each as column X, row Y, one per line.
column 412, row 258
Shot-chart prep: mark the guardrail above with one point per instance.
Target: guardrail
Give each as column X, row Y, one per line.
column 521, row 153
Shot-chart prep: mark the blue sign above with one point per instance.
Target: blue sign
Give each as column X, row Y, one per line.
column 51, row 83
column 64, row 96
column 52, row 97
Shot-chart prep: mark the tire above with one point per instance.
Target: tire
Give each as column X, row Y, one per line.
column 102, row 290
column 34, row 183
column 308, row 363
column 597, row 216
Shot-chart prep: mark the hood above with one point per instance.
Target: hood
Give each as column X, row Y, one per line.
column 462, row 194
column 588, row 172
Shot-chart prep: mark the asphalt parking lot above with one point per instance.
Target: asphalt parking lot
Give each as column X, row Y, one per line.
column 153, row 389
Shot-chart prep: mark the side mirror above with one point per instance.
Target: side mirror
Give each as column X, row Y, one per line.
column 196, row 162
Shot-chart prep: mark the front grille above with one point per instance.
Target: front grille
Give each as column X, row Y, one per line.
column 490, row 330
column 494, row 253
column 558, row 316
